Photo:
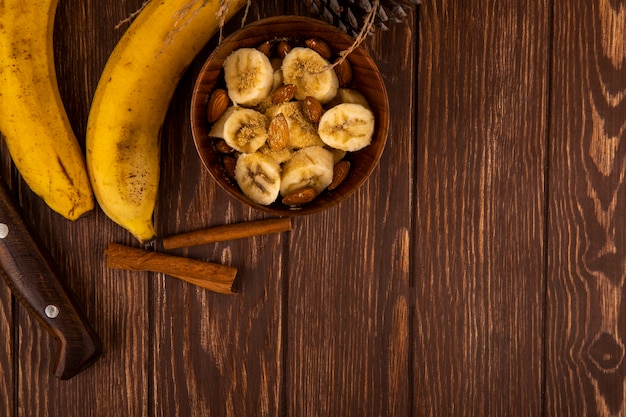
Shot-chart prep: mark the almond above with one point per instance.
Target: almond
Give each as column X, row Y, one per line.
column 312, row 109
column 319, row 46
column 340, row 172
column 284, row 93
column 217, row 105
column 276, row 63
column 344, row 72
column 266, row 48
column 229, row 163
column 283, row 49
column 299, row 197
column 222, row 147
column 278, row 133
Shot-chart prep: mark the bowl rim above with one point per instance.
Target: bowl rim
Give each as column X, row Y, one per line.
column 272, row 30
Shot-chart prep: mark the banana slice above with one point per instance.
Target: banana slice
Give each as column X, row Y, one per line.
column 347, row 126
column 308, row 167
column 311, row 73
column 302, row 133
column 338, row 154
column 258, row 176
column 245, row 130
column 349, row 95
column 249, row 76
column 281, row 156
column 265, row 104
column 217, row 129
column 278, row 79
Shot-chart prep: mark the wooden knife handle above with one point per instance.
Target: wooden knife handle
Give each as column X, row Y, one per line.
column 33, row 280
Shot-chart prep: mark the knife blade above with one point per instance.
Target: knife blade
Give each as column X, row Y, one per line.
column 34, row 281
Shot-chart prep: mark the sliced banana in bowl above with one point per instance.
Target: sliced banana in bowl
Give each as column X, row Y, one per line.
column 334, row 125
column 258, row 176
column 245, row 130
column 249, row 76
column 309, row 72
column 310, row 167
column 347, row 127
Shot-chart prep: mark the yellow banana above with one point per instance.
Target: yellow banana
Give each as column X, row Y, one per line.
column 33, row 120
column 131, row 101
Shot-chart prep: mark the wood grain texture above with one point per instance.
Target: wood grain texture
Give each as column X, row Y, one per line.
column 115, row 303
column 479, row 271
column 348, row 301
column 586, row 320
column 479, row 257
column 32, row 277
column 7, row 316
column 7, row 387
column 214, row 355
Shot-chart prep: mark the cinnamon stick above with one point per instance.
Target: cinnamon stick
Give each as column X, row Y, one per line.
column 212, row 276
column 227, row 232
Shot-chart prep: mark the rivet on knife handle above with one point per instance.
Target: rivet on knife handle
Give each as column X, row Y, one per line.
column 34, row 281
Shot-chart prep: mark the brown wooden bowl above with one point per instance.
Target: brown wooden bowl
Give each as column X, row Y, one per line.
column 366, row 79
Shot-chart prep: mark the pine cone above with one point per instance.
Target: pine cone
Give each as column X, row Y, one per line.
column 349, row 15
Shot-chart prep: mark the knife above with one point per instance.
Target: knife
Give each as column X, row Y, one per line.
column 33, row 279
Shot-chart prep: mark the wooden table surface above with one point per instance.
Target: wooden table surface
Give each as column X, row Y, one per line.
column 478, row 272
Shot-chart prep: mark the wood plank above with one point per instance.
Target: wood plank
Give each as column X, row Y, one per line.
column 217, row 355
column 348, row 306
column 586, row 320
column 7, row 317
column 479, row 254
column 7, row 387
column 115, row 302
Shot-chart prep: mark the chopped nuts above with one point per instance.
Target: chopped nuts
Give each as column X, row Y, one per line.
column 218, row 103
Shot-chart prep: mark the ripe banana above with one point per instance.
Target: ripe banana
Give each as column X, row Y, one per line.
column 131, row 101
column 217, row 130
column 245, row 130
column 280, row 156
column 347, row 126
column 349, row 95
column 249, row 76
column 258, row 176
column 309, row 72
column 302, row 132
column 309, row 167
column 288, row 147
column 33, row 120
